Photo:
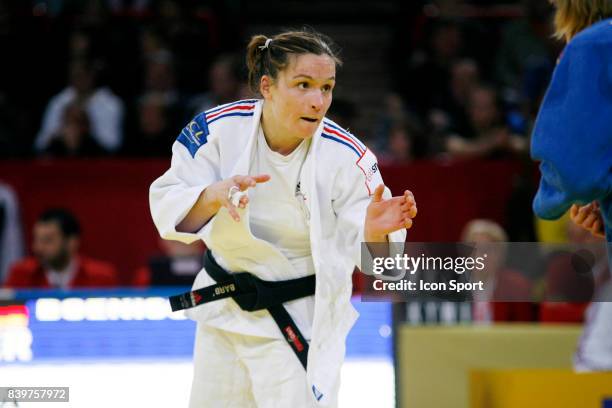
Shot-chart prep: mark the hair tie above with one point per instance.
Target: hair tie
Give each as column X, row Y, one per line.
column 263, row 47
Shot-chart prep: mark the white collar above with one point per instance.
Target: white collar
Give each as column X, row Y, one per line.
column 62, row 278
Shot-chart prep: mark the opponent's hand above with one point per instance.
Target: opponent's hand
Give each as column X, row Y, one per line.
column 588, row 217
column 386, row 216
column 220, row 194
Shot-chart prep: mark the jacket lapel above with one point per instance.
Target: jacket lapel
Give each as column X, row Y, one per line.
column 244, row 161
column 310, row 183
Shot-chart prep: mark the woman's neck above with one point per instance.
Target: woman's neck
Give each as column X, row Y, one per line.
column 277, row 138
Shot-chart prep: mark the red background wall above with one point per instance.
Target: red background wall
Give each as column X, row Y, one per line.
column 110, row 198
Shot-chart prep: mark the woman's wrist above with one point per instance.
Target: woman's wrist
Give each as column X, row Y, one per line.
column 371, row 236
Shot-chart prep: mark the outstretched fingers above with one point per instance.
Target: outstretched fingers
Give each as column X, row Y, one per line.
column 597, row 229
column 235, row 198
column 245, row 182
column 231, row 208
column 407, row 222
column 579, row 214
column 244, row 200
column 409, row 207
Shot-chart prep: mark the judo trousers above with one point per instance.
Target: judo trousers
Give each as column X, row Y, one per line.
column 233, row 370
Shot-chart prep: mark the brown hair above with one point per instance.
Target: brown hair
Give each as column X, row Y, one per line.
column 574, row 16
column 270, row 60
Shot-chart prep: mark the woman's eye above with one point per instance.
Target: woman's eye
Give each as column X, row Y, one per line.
column 327, row 88
column 303, row 85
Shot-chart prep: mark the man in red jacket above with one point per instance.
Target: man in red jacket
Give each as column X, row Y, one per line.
column 56, row 263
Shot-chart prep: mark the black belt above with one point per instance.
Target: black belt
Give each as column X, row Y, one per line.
column 251, row 294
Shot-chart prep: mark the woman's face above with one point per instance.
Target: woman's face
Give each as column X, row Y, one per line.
column 301, row 94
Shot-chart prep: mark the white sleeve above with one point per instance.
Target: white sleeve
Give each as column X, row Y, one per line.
column 358, row 182
column 52, row 120
column 195, row 165
column 106, row 111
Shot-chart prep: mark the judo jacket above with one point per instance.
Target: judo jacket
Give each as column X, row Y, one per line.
column 572, row 136
column 337, row 179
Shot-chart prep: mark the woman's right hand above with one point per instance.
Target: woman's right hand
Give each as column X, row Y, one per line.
column 588, row 217
column 220, row 194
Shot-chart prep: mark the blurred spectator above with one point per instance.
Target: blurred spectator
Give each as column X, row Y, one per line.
column 525, row 61
column 104, row 109
column 449, row 112
column 56, row 262
column 424, row 78
column 159, row 77
column 155, row 134
column 157, row 111
column 73, row 138
column 508, row 292
column 487, row 134
column 526, row 44
column 83, row 43
column 225, row 79
column 151, row 42
column 11, row 237
column 178, row 265
column 189, row 26
column 405, row 135
column 343, row 112
column 401, row 127
column 393, row 110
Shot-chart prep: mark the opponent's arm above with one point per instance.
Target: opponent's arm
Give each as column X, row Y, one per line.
column 571, row 137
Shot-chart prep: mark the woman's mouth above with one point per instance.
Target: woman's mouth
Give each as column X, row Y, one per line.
column 311, row 120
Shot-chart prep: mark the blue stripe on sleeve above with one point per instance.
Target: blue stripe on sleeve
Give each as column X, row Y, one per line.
column 335, row 139
column 344, row 132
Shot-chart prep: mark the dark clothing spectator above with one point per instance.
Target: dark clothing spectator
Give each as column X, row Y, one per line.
column 73, row 139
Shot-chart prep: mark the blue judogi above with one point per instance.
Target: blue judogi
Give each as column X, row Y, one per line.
column 573, row 132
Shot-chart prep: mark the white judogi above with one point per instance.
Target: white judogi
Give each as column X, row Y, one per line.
column 594, row 351
column 337, row 178
column 277, row 216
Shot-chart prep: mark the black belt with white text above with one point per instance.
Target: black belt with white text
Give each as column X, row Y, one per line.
column 251, row 294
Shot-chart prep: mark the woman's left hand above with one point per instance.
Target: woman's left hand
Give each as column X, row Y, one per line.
column 386, row 216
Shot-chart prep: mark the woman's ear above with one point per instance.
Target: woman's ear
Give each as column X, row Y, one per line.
column 264, row 86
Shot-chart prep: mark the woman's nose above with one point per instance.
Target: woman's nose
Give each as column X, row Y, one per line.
column 317, row 101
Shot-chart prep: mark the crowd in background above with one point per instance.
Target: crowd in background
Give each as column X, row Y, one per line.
column 120, row 78
column 106, row 78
